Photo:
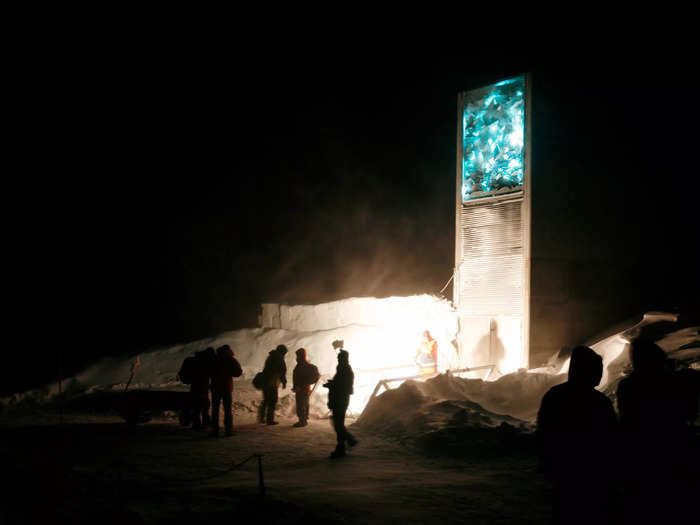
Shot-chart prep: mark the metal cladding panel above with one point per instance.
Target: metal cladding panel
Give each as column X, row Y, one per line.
column 491, row 270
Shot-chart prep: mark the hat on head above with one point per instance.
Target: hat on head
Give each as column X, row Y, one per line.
column 225, row 350
column 281, row 349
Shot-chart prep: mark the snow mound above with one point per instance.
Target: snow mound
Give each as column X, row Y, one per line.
column 435, row 416
column 380, row 334
column 513, row 398
column 469, row 410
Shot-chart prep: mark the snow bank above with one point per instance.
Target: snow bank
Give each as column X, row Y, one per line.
column 457, row 406
column 381, row 336
column 510, row 397
column 437, row 416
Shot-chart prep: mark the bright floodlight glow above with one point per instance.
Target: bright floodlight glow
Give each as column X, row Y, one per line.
column 493, row 131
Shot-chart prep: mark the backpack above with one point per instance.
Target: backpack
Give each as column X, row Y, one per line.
column 187, row 372
column 259, row 381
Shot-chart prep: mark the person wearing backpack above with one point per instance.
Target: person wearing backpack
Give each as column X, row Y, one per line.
column 274, row 372
column 225, row 368
column 305, row 374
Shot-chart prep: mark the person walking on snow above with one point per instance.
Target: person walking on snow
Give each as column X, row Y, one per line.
column 339, row 392
column 305, row 374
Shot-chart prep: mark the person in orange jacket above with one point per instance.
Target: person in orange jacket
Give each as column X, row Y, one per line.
column 426, row 355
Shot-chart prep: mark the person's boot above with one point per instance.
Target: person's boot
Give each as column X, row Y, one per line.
column 338, row 453
column 299, row 424
column 272, row 423
column 351, row 440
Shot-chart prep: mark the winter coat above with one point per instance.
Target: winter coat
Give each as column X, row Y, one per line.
column 426, row 356
column 341, row 387
column 576, row 430
column 305, row 374
column 225, row 368
column 275, row 370
column 204, row 362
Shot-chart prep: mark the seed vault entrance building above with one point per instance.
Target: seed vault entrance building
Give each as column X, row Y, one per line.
column 492, row 245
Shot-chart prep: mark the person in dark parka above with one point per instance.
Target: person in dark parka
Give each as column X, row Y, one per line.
column 200, row 387
column 274, row 372
column 661, row 461
column 340, row 388
column 305, row 374
column 225, row 368
column 576, row 434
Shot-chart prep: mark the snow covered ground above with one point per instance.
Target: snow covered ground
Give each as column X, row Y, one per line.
column 94, row 466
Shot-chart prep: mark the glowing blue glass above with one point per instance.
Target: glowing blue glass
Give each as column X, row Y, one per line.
column 493, row 136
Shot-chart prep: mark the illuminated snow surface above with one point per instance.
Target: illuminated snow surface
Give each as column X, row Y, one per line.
column 383, row 350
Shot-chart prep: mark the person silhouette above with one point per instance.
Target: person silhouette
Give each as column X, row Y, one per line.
column 274, row 373
column 304, row 375
column 576, row 430
column 340, row 388
column 660, row 453
column 224, row 369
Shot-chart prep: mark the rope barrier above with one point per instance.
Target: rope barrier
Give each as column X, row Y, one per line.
column 119, row 465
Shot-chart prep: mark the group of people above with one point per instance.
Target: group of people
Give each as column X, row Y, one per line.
column 210, row 370
column 206, row 371
column 580, row 439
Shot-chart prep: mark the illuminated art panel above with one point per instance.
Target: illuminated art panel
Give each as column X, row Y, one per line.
column 493, row 130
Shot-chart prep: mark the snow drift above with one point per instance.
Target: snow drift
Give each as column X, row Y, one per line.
column 451, row 413
column 381, row 336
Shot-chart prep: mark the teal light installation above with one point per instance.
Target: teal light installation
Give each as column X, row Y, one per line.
column 493, row 135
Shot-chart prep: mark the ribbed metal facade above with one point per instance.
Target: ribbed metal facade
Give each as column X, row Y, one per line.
column 490, row 272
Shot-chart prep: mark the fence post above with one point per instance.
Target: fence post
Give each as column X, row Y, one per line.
column 261, row 479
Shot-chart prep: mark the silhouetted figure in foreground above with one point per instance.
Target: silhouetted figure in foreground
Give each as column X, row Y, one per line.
column 576, row 430
column 305, row 374
column 225, row 368
column 339, row 392
column 656, row 408
column 274, row 372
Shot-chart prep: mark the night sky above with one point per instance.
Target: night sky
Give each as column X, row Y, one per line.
column 198, row 188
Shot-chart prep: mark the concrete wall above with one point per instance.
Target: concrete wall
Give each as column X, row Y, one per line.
column 490, row 340
column 593, row 225
column 573, row 300
column 414, row 313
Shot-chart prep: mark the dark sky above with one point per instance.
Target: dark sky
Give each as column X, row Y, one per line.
column 197, row 187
